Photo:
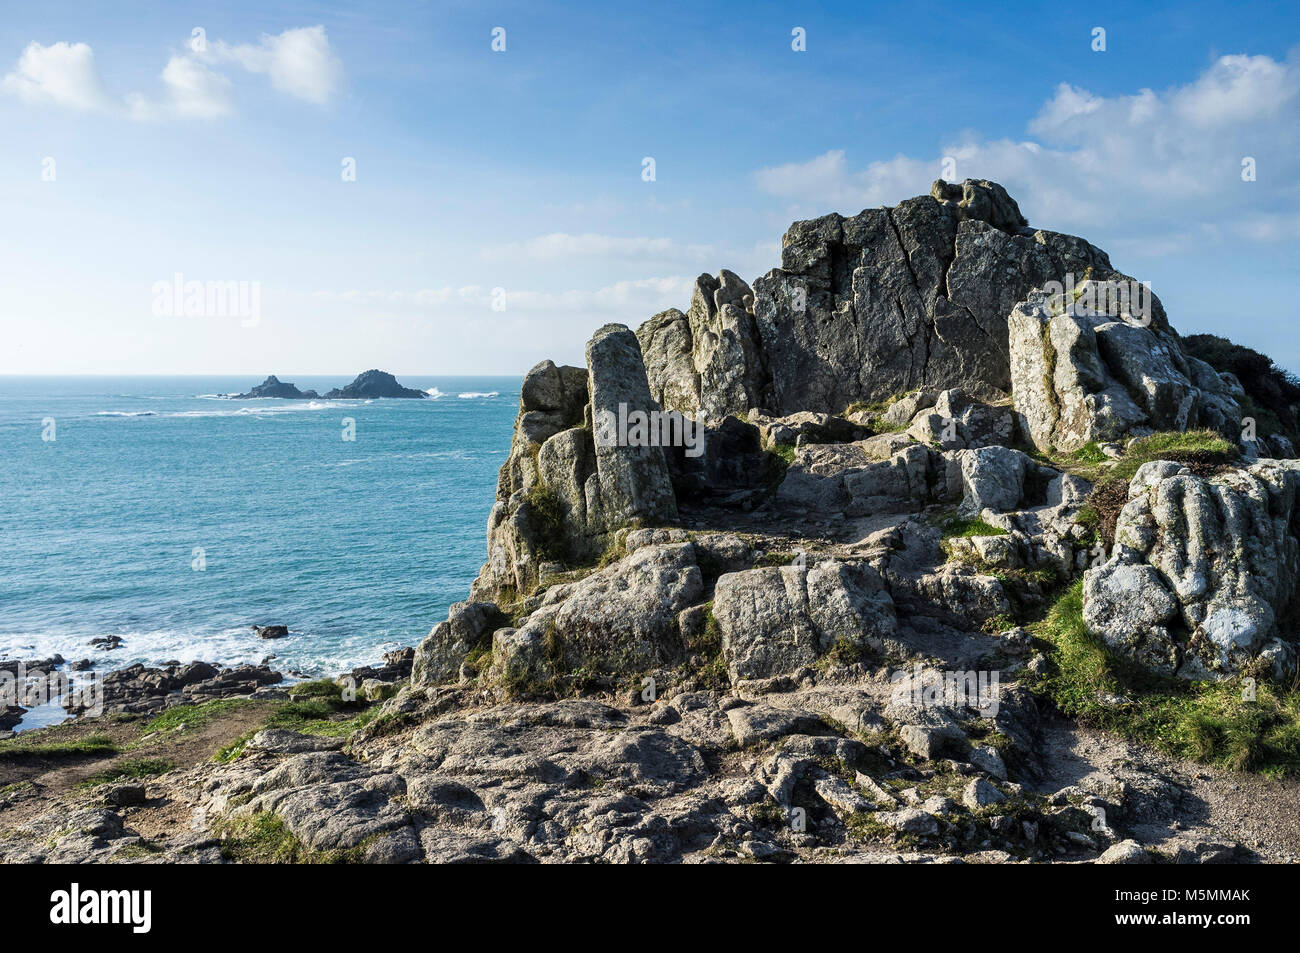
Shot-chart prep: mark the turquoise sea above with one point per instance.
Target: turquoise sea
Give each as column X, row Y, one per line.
column 175, row 519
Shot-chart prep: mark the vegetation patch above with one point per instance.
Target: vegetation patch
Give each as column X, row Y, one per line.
column 1271, row 391
column 546, row 518
column 1204, row 452
column 90, row 745
column 1211, row 722
column 264, row 839
column 711, row 672
column 133, row 769
column 952, row 525
column 192, row 717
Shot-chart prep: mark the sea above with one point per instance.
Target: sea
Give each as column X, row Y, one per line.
column 155, row 510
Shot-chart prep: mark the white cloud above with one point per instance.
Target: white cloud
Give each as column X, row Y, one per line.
column 628, row 301
column 62, row 74
column 561, row 246
column 192, row 91
column 299, row 62
column 1138, row 161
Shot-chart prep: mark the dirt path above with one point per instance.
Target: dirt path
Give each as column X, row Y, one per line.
column 35, row 782
column 1202, row 803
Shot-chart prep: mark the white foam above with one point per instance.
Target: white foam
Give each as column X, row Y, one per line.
column 473, row 394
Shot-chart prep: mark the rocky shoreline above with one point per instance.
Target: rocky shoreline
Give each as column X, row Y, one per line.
column 979, row 563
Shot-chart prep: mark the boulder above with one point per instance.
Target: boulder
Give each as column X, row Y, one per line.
column 469, row 625
column 617, row 621
column 777, row 619
column 1081, row 375
column 1202, row 571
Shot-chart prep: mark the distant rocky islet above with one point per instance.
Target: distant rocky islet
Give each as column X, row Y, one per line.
column 369, row 385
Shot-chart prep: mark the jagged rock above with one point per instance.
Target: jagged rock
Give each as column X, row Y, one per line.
column 892, row 300
column 835, row 478
column 901, row 411
column 469, row 625
column 958, row 421
column 806, row 427
column 274, row 387
column 1080, row 375
column 909, row 820
column 777, row 619
column 1202, row 570
column 708, row 362
column 732, row 470
column 621, row 619
column 371, row 385
column 271, row 631
column 630, row 482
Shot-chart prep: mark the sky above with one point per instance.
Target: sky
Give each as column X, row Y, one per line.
column 392, row 191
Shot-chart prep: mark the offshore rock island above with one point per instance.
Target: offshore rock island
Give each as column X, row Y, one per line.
column 980, row 561
column 368, row 385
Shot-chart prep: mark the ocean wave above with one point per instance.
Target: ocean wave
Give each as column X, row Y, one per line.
column 435, row 393
column 126, row 413
column 308, row 653
column 474, row 394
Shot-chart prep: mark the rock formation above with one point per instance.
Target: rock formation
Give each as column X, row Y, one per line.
column 1081, row 376
column 372, row 384
column 274, row 387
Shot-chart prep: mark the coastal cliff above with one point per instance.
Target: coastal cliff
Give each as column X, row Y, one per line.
column 937, row 543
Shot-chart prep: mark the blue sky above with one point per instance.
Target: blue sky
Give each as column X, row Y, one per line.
column 522, row 170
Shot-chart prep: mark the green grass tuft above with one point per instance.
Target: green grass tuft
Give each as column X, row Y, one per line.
column 1210, row 722
column 134, row 769
column 91, row 745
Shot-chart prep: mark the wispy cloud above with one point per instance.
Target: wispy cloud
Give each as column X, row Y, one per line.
column 1091, row 160
column 298, row 62
column 633, row 301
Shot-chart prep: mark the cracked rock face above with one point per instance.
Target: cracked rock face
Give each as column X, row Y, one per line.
column 1078, row 376
column 1203, row 570
column 892, row 300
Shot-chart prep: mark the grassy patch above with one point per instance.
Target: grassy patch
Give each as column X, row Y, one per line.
column 545, row 516
column 1209, row 722
column 190, row 717
column 951, row 525
column 711, row 672
column 264, row 839
column 321, row 688
column 1204, row 452
column 133, row 769
column 1090, row 454
column 90, row 745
